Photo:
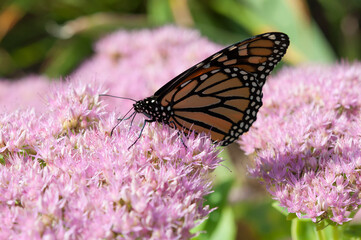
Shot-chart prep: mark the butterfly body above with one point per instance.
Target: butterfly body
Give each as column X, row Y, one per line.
column 220, row 95
column 151, row 108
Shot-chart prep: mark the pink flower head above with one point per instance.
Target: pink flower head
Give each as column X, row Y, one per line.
column 15, row 94
column 63, row 177
column 307, row 140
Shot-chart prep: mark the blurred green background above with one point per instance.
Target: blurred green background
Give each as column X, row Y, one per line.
column 53, row 37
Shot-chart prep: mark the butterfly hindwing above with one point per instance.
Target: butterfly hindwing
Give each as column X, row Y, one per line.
column 224, row 102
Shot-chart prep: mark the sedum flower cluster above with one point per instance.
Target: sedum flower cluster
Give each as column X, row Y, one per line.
column 62, row 176
column 307, row 141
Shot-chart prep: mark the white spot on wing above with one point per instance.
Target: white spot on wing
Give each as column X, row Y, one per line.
column 231, row 48
column 199, row 65
column 204, row 76
column 216, row 56
column 272, row 37
column 184, row 84
column 207, row 65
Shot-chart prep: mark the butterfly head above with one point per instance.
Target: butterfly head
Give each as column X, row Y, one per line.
column 152, row 109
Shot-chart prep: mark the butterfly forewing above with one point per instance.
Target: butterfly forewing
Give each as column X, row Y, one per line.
column 257, row 55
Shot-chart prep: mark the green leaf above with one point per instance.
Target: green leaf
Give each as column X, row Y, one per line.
column 282, row 210
column 353, row 231
column 159, row 12
column 291, row 216
column 217, row 199
column 226, row 229
column 66, row 55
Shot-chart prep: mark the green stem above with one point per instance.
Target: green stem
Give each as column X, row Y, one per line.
column 335, row 233
column 294, row 229
column 306, row 230
column 320, row 234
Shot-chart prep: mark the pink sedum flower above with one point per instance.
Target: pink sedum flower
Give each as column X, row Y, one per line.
column 15, row 94
column 63, row 177
column 78, row 182
column 307, row 141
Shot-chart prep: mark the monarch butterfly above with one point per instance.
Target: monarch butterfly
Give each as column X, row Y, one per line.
column 220, row 95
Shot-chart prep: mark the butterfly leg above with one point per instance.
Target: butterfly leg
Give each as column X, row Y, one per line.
column 131, row 122
column 131, row 115
column 111, row 133
column 141, row 131
column 180, row 135
column 122, row 119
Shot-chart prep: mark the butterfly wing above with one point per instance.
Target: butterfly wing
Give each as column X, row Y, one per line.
column 257, row 55
column 223, row 102
column 222, row 94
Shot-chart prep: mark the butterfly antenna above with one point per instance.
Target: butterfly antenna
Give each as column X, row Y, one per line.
column 107, row 95
column 120, row 120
